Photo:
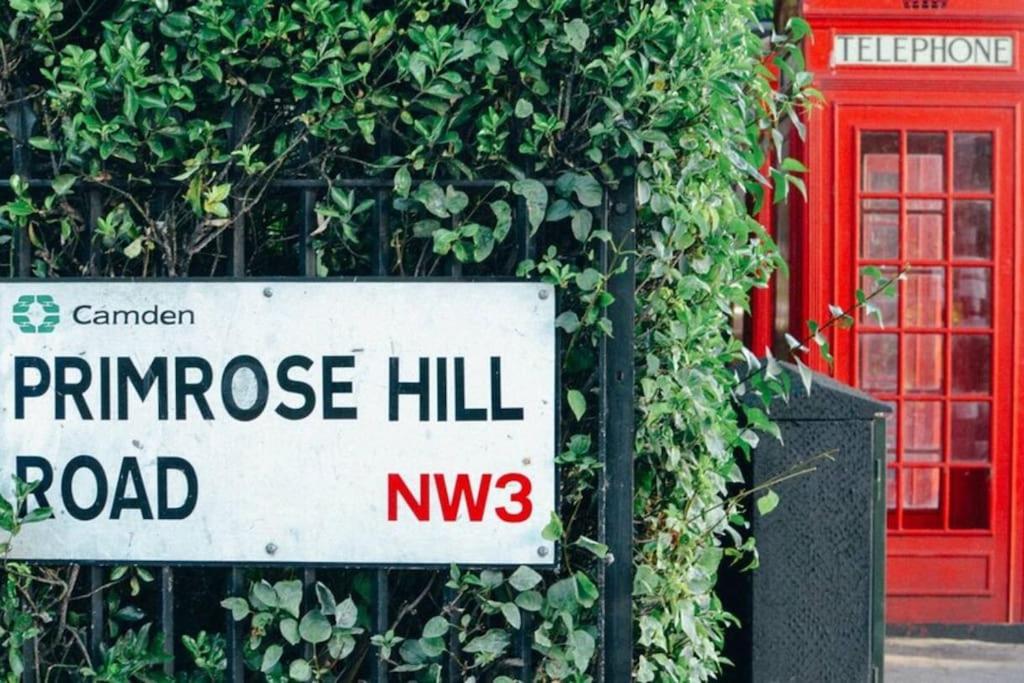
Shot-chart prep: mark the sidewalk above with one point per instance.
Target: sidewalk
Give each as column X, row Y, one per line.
column 935, row 660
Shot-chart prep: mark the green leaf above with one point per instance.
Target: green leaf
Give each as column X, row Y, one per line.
column 239, row 607
column 582, row 221
column 290, row 631
column 289, row 596
column 577, row 403
column 314, row 628
column 511, row 614
column 524, row 578
column 524, row 109
column 299, row 670
column 432, row 197
column 403, row 181
column 577, row 32
column 531, row 601
column 494, row 642
column 582, row 646
column 767, row 502
column 346, row 613
column 553, row 530
column 436, row 627
column 271, row 656
column 536, row 196
column 62, row 183
column 598, row 549
column 325, row 597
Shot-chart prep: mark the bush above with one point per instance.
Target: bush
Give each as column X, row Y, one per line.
column 165, row 123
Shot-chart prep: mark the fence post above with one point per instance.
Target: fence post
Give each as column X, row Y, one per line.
column 618, row 436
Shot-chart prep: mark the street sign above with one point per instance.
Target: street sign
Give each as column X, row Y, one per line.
column 318, row 422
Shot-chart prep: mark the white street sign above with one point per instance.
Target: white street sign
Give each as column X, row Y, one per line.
column 281, row 421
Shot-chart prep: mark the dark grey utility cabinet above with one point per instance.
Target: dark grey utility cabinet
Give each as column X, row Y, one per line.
column 814, row 609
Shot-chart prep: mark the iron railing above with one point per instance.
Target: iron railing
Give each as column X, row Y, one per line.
column 614, row 382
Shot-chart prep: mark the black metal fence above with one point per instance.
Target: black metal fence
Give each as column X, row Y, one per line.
column 188, row 596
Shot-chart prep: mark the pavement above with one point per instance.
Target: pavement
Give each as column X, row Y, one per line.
column 939, row 660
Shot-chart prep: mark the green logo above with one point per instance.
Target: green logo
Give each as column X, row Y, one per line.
column 47, row 312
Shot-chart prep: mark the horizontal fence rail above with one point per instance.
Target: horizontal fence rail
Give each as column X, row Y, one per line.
column 188, row 597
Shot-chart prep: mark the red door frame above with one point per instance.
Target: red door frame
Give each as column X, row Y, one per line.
column 942, row 575
column 822, row 271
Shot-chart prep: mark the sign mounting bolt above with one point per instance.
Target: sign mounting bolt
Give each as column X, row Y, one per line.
column 268, row 292
column 271, row 548
column 543, row 294
column 542, row 551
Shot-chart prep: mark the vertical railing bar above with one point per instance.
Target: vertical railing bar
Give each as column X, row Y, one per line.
column 307, row 225
column 604, row 261
column 96, row 616
column 525, row 249
column 381, row 239
column 167, row 616
column 236, row 579
column 21, row 130
column 309, row 601
column 23, row 121
column 618, row 419
column 452, row 671
column 379, row 619
column 94, row 209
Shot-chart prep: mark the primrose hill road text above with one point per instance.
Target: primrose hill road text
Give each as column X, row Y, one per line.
column 296, row 387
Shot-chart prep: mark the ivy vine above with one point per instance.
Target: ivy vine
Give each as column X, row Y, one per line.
column 164, row 125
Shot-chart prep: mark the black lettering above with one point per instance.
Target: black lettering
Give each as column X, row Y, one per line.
column 462, row 413
column 164, row 510
column 442, row 389
column 22, row 465
column 104, row 388
column 85, row 308
column 156, row 374
column 498, row 412
column 197, row 390
column 63, row 388
column 294, row 386
column 420, row 388
column 140, row 502
column 22, row 390
column 227, row 389
column 332, row 387
column 67, row 489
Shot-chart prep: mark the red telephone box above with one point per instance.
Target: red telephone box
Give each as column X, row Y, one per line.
column 916, row 159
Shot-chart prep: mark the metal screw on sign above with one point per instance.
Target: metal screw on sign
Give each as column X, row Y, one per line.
column 271, row 548
column 542, row 551
column 268, row 292
column 543, row 294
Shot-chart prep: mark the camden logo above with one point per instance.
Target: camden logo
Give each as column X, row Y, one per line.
column 35, row 313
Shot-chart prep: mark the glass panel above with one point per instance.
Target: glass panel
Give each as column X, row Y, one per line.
column 971, row 430
column 880, row 229
column 890, row 488
column 921, row 488
column 925, row 297
column 880, row 161
column 926, row 162
column 972, row 162
column 968, row 498
column 972, row 363
column 878, row 355
column 886, row 305
column 926, row 228
column 972, row 228
column 891, row 420
column 972, row 297
column 922, row 363
column 922, row 431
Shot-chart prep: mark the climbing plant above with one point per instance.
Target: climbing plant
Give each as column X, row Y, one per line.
column 163, row 125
